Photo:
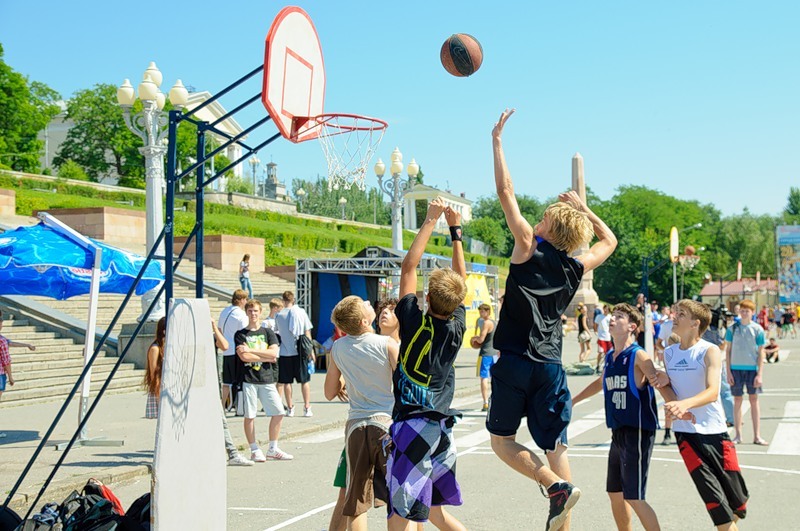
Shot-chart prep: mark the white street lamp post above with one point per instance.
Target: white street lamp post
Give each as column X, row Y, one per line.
column 342, row 203
column 254, row 162
column 301, row 194
column 151, row 126
column 395, row 189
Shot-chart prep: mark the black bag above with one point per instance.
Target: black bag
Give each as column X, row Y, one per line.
column 88, row 512
column 305, row 347
column 138, row 515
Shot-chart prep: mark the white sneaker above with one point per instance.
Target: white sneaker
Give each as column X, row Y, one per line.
column 258, row 456
column 279, row 455
column 240, row 460
column 307, row 412
column 290, row 411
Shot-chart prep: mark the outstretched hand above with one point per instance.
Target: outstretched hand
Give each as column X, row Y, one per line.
column 453, row 217
column 435, row 209
column 497, row 132
column 573, row 199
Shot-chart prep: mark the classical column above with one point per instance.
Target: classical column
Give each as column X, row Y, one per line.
column 586, row 293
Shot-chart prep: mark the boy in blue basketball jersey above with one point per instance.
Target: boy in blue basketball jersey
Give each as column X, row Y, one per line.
column 631, row 414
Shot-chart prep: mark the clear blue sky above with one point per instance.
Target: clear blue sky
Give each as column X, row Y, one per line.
column 697, row 99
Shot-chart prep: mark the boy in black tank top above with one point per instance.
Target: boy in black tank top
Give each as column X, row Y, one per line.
column 529, row 379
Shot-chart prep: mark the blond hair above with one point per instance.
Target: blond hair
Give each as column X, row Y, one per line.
column 446, row 290
column 348, row 314
column 569, row 227
column 275, row 303
column 698, row 311
column 673, row 339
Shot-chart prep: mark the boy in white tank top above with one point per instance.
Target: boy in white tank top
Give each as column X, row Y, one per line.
column 694, row 372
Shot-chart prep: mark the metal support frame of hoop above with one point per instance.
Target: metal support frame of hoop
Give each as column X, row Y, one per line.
column 171, row 262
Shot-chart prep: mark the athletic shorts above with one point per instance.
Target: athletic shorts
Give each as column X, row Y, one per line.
column 629, row 461
column 3, row 380
column 421, row 469
column 366, row 465
column 605, row 345
column 714, row 468
column 742, row 379
column 521, row 388
column 267, row 394
column 484, row 366
column 340, row 479
column 291, row 369
column 232, row 370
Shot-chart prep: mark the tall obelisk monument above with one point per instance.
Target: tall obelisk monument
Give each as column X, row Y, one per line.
column 586, row 293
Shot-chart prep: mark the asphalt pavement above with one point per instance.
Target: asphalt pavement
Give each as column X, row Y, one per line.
column 299, row 495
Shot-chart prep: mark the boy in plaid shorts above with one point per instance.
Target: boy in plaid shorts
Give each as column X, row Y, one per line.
column 421, row 469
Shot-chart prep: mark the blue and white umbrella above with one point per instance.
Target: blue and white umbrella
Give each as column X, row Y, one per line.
column 41, row 260
column 52, row 260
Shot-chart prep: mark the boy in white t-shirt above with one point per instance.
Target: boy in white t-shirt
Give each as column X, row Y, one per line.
column 604, row 344
column 694, row 372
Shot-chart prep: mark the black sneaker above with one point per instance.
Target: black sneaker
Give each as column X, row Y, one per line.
column 667, row 440
column 563, row 496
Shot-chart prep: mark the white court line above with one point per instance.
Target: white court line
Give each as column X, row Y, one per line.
column 474, row 439
column 791, row 411
column 786, row 440
column 748, row 467
column 255, row 509
column 303, row 516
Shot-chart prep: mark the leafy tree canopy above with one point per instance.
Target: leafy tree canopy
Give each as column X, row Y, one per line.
column 25, row 109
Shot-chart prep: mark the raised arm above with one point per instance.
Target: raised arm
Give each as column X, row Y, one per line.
column 600, row 251
column 454, row 222
column 519, row 226
column 408, row 271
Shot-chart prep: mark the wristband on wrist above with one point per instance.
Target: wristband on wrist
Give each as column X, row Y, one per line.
column 455, row 233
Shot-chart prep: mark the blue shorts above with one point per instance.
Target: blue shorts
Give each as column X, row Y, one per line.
column 742, row 378
column 522, row 387
column 629, row 461
column 3, row 379
column 485, row 366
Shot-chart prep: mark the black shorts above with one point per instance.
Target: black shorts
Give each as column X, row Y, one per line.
column 629, row 461
column 522, row 387
column 232, row 370
column 714, row 468
column 293, row 368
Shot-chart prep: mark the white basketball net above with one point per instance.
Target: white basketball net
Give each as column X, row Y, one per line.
column 348, row 142
column 688, row 261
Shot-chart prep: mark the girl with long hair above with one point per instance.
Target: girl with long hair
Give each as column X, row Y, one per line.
column 152, row 376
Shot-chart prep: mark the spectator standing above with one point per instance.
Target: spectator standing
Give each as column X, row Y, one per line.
column 601, row 328
column 292, row 322
column 231, row 320
column 258, row 349
column 152, row 374
column 484, row 340
column 244, row 275
column 275, row 305
column 584, row 336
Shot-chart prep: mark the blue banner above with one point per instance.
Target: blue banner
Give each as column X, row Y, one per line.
column 788, row 237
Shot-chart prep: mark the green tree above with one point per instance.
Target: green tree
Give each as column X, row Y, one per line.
column 489, row 231
column 792, row 210
column 72, row 170
column 25, row 109
column 99, row 141
column 364, row 206
column 238, row 184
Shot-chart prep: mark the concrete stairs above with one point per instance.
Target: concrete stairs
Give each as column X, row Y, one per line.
column 49, row 372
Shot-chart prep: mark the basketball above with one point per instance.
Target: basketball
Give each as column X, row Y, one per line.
column 461, row 55
column 689, row 250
